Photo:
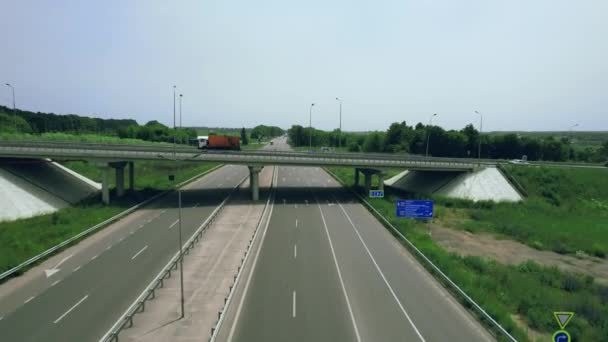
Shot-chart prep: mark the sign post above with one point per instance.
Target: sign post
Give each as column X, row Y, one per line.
column 420, row 209
column 376, row 193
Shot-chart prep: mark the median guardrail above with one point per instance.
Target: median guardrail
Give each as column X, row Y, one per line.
column 228, row 300
column 430, row 265
column 88, row 231
column 126, row 320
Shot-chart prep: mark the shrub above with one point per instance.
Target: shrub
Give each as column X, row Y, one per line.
column 529, row 267
column 598, row 250
column 476, row 263
column 560, row 247
column 572, row 283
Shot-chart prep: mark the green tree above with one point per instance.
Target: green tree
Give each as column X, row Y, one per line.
column 604, row 150
column 244, row 139
column 374, row 142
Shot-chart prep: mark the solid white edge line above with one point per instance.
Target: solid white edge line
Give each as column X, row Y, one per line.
column 293, row 311
column 333, row 253
column 255, row 261
column 70, row 310
column 138, row 253
column 407, row 316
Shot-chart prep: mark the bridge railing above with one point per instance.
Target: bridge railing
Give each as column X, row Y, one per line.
column 293, row 158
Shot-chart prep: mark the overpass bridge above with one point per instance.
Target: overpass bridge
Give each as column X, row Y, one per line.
column 118, row 156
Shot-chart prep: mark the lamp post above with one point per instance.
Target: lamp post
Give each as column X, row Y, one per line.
column 480, row 130
column 570, row 130
column 180, row 114
column 14, row 107
column 428, row 134
column 310, row 128
column 340, row 129
column 179, row 203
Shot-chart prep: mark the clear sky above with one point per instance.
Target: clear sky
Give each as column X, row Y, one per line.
column 526, row 64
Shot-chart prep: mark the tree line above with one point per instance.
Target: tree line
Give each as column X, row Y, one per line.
column 260, row 132
column 30, row 122
column 401, row 138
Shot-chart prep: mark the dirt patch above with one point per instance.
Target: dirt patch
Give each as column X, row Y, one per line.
column 513, row 253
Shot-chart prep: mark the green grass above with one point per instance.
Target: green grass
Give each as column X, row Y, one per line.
column 60, row 137
column 579, row 138
column 528, row 290
column 566, row 211
column 318, row 149
column 253, row 146
column 25, row 238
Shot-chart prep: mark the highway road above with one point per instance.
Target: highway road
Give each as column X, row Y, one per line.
column 327, row 270
column 96, row 285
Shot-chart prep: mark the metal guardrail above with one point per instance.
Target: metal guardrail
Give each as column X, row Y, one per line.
column 227, row 300
column 431, row 265
column 126, row 320
column 86, row 232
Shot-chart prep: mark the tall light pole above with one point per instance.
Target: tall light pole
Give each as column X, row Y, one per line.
column 570, row 130
column 14, row 107
column 180, row 114
column 310, row 128
column 480, row 130
column 570, row 137
column 179, row 203
column 340, row 132
column 428, row 133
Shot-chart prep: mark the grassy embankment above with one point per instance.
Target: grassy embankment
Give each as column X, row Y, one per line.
column 61, row 137
column 528, row 292
column 25, row 238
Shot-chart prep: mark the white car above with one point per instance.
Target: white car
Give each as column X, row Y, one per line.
column 518, row 161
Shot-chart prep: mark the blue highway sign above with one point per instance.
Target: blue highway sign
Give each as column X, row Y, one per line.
column 376, row 193
column 415, row 208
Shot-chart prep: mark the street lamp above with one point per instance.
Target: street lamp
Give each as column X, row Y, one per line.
column 340, row 132
column 428, row 133
column 180, row 114
column 480, row 130
column 14, row 108
column 570, row 130
column 310, row 128
column 179, row 203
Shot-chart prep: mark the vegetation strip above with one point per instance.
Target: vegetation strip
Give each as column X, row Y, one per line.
column 88, row 231
column 523, row 296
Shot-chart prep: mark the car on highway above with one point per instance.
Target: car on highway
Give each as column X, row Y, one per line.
column 519, row 162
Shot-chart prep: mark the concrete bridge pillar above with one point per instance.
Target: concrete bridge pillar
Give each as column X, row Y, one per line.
column 356, row 177
column 120, row 177
column 120, row 181
column 105, row 186
column 254, row 181
column 368, row 181
column 131, row 176
column 381, row 181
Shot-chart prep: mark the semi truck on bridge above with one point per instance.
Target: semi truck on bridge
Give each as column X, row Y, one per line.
column 218, row 142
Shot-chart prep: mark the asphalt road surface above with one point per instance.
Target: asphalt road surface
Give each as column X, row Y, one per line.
column 98, row 284
column 327, row 270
